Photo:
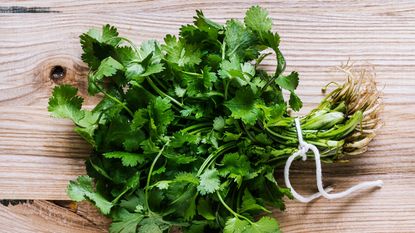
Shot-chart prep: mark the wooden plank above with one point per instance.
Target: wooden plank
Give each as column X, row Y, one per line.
column 38, row 154
column 47, row 217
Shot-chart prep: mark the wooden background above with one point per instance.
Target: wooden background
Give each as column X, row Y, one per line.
column 38, row 154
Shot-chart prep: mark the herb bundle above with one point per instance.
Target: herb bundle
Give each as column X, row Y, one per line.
column 189, row 131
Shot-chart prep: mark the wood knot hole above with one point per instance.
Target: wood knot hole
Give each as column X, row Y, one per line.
column 57, row 73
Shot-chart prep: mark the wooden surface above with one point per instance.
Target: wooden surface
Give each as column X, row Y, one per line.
column 38, row 154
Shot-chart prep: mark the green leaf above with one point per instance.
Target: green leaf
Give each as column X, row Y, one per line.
column 163, row 184
column 128, row 159
column 108, row 35
column 134, row 72
column 264, row 225
column 256, row 19
column 150, row 228
column 161, row 114
column 244, row 106
column 295, row 102
column 82, row 189
column 250, row 204
column 181, row 53
column 205, row 210
column 218, row 123
column 140, row 119
column 209, row 182
column 235, row 225
column 235, row 166
column 239, row 40
column 97, row 44
column 289, row 82
column 108, row 67
column 64, row 103
column 228, row 136
column 206, row 24
column 187, row 178
column 125, row 222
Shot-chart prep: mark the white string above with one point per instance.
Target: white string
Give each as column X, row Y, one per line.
column 303, row 148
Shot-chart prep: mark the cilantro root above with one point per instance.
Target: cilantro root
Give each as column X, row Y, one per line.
column 189, row 131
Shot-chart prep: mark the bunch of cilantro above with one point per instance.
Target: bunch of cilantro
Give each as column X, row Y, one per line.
column 189, row 131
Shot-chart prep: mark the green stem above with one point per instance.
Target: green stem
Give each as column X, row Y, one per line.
column 277, row 135
column 161, row 84
column 190, row 73
column 150, row 173
column 248, row 133
column 133, row 45
column 119, row 196
column 231, row 210
column 115, row 99
column 161, row 93
column 195, row 126
column 200, row 130
column 217, row 152
column 268, row 83
column 223, row 50
column 226, row 89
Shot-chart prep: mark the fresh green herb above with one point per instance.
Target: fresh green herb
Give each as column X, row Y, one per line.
column 188, row 132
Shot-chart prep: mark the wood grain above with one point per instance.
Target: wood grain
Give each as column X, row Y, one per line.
column 47, row 217
column 38, row 154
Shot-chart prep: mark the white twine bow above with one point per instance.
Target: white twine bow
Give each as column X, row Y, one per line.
column 302, row 151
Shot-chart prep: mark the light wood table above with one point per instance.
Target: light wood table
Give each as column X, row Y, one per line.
column 38, row 154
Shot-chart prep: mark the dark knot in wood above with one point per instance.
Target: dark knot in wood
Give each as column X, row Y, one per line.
column 57, row 73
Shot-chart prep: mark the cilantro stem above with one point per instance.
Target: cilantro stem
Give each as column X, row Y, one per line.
column 190, row 73
column 160, row 83
column 217, row 152
column 133, row 45
column 150, row 173
column 248, row 133
column 277, row 134
column 115, row 99
column 268, row 83
column 231, row 210
column 161, row 93
column 119, row 196
column 226, row 88
column 195, row 126
column 200, row 130
column 223, row 50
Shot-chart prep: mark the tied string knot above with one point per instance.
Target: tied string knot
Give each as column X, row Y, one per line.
column 303, row 148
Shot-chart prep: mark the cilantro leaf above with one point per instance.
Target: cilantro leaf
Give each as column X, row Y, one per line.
column 235, row 166
column 256, row 18
column 295, row 102
column 150, row 228
column 250, row 204
column 82, row 189
column 180, row 53
column 205, row 210
column 289, row 82
column 209, row 182
column 238, row 41
column 235, row 225
column 125, row 222
column 64, row 103
column 128, row 159
column 244, row 106
column 264, row 225
column 108, row 67
column 218, row 123
column 160, row 114
column 96, row 44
